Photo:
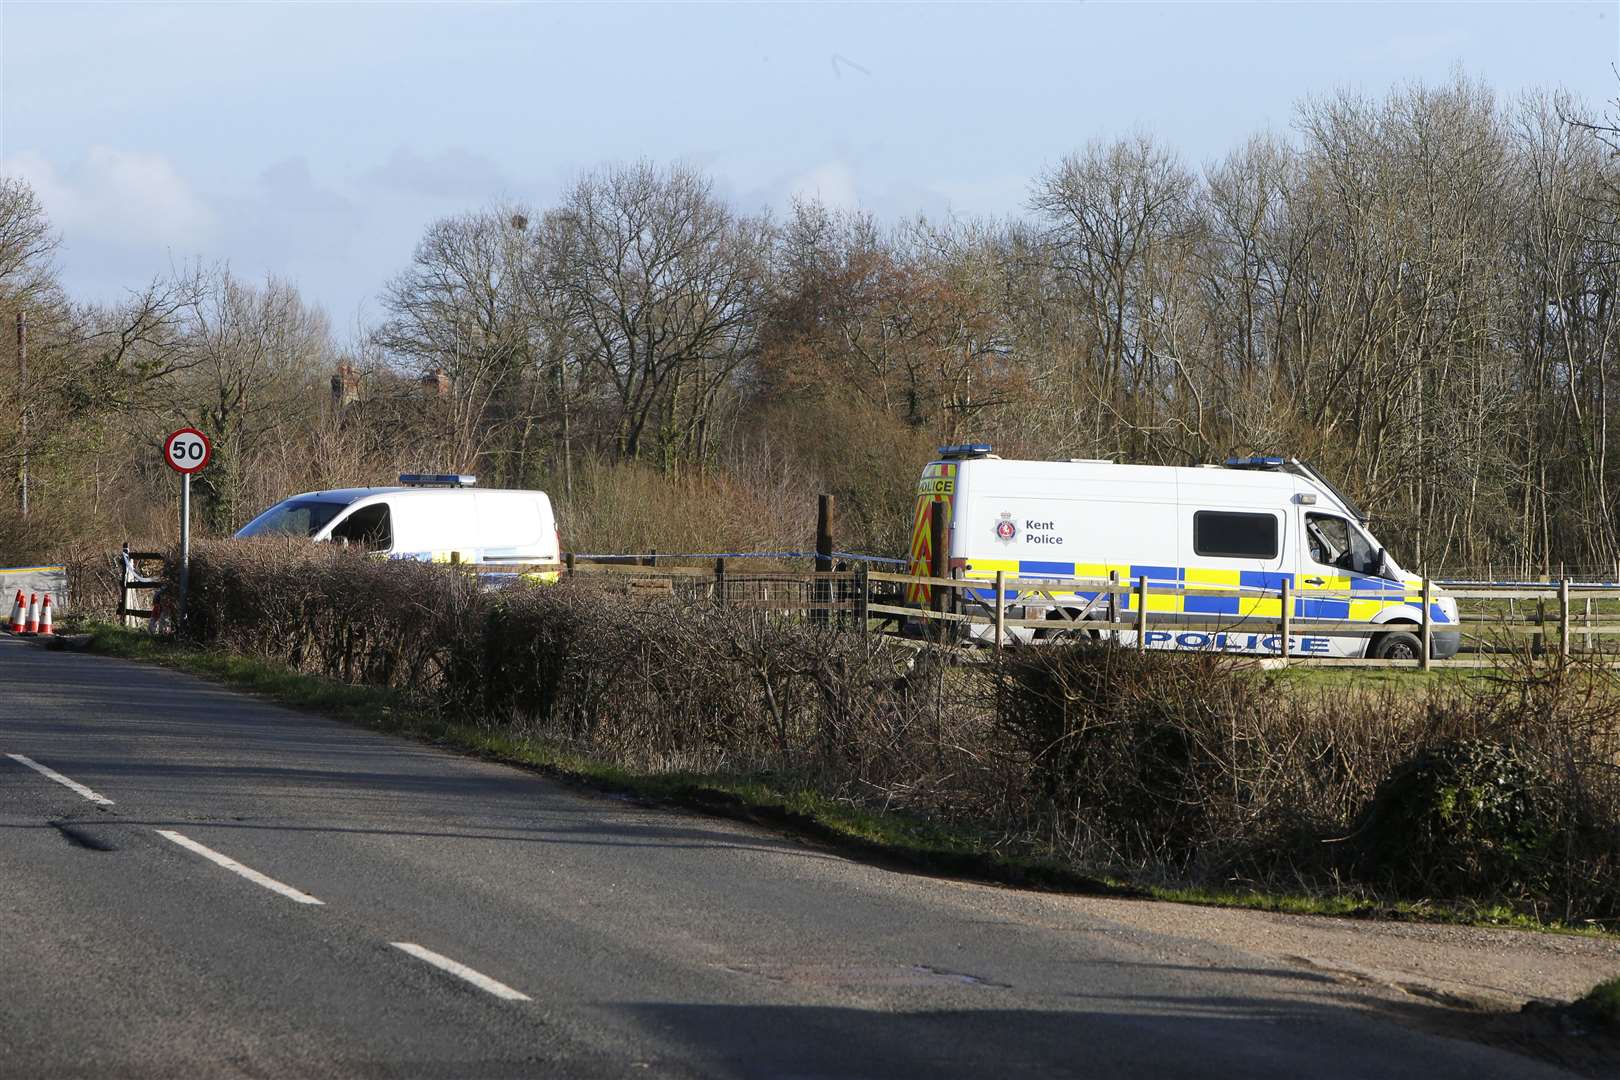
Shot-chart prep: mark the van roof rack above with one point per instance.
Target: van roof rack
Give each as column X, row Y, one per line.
column 966, row 450
column 412, row 479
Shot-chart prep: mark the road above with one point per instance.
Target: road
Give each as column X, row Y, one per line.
column 263, row 893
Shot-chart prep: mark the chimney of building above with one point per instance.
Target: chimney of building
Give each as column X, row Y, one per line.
column 437, row 381
column 345, row 386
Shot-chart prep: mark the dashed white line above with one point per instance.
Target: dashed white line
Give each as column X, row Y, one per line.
column 52, row 774
column 237, row 868
column 461, row 971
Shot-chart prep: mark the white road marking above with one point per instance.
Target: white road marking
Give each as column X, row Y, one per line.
column 60, row 779
column 461, row 971
column 237, row 868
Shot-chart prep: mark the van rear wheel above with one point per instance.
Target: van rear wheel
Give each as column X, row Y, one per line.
column 1399, row 646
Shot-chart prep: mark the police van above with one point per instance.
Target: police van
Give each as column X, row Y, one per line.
column 432, row 518
column 1213, row 541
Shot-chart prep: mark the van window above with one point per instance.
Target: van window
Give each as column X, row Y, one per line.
column 367, row 527
column 1235, row 536
column 294, row 517
column 1335, row 542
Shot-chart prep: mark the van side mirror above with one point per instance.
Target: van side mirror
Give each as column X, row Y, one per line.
column 1383, row 563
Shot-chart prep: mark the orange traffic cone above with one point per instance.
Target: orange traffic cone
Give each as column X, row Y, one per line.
column 32, row 625
column 17, row 614
column 45, row 617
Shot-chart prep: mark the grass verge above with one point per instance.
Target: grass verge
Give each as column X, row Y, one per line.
column 883, row 837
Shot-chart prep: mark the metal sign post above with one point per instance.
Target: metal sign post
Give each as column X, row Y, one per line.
column 186, row 451
column 185, row 544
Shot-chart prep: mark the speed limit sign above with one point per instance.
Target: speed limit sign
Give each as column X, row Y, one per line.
column 187, row 450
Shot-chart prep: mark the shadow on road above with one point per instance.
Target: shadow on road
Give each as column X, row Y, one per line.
column 1162, row 1038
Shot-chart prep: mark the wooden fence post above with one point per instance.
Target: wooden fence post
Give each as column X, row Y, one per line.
column 1538, row 643
column 1427, row 636
column 123, row 586
column 939, row 562
column 720, row 580
column 1563, row 619
column 1113, row 605
column 1141, row 613
column 862, row 584
column 1001, row 605
column 822, row 591
column 568, row 561
column 1286, row 598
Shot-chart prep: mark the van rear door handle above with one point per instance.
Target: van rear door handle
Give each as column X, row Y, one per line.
column 1314, row 581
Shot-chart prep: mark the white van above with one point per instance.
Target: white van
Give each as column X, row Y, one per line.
column 1194, row 533
column 437, row 518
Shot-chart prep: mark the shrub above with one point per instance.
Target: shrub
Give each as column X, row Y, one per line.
column 1120, row 746
column 331, row 611
column 1465, row 818
column 1602, row 1003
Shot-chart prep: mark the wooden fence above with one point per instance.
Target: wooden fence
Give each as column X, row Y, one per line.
column 133, row 580
column 728, row 581
column 1559, row 618
column 1553, row 618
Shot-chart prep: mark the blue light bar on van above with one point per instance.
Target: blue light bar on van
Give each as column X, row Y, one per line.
column 436, row 480
column 1255, row 463
column 967, row 450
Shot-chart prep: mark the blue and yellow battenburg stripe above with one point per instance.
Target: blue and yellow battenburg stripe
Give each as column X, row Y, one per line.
column 471, row 556
column 1167, row 587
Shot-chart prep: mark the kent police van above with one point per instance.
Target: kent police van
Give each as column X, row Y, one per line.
column 1195, row 534
column 430, row 518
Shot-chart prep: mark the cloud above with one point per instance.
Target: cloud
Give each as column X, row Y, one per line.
column 454, row 173
column 832, row 183
column 122, row 198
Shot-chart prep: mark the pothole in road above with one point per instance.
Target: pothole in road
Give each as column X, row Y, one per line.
column 82, row 837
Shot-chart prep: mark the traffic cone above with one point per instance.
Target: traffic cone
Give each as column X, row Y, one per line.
column 17, row 614
column 45, row 617
column 32, row 625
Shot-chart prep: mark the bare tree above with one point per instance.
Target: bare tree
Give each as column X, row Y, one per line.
column 663, row 286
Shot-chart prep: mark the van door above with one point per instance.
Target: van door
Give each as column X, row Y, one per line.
column 1336, row 558
column 369, row 528
column 937, row 487
column 432, row 525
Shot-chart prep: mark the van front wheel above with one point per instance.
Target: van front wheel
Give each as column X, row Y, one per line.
column 1399, row 646
column 1073, row 628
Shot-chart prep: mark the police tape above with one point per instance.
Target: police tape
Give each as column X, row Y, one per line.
column 851, row 555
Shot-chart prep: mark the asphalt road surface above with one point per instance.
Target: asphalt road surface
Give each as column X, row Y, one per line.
column 194, row 883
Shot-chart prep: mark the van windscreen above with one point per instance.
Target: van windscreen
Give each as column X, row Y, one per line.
column 295, row 517
column 1235, row 536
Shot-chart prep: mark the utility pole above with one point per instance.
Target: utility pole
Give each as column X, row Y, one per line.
column 22, row 410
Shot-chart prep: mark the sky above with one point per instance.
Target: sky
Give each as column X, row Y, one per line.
column 316, row 141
